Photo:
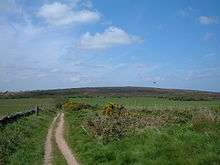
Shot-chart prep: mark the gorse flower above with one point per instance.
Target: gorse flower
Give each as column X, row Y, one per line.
column 112, row 108
column 71, row 105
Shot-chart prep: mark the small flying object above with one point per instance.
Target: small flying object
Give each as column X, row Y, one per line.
column 154, row 82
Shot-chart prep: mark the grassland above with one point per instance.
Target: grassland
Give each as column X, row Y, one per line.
column 141, row 102
column 8, row 106
column 153, row 131
column 148, row 130
column 22, row 142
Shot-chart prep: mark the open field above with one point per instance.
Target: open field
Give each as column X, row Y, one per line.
column 141, row 102
column 116, row 129
column 8, row 106
column 159, row 132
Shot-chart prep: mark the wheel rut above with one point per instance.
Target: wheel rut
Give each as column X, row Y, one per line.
column 60, row 141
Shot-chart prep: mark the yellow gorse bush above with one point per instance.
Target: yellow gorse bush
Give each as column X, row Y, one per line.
column 111, row 108
column 72, row 105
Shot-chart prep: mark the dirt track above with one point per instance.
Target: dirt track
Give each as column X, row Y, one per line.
column 48, row 144
column 60, row 141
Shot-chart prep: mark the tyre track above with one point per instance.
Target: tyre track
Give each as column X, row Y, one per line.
column 62, row 144
column 48, row 143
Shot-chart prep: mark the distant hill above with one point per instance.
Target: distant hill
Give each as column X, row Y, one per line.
column 113, row 91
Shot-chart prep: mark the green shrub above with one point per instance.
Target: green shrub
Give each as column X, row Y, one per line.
column 183, row 116
column 59, row 101
column 71, row 105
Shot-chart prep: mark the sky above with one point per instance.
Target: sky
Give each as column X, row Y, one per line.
column 47, row 44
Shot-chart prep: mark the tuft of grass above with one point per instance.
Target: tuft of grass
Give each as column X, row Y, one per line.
column 205, row 121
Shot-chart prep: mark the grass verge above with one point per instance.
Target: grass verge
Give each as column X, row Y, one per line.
column 23, row 141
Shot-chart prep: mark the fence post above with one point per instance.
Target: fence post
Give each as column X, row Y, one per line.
column 37, row 110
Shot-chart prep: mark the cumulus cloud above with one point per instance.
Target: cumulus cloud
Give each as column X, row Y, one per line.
column 207, row 20
column 112, row 36
column 38, row 56
column 61, row 14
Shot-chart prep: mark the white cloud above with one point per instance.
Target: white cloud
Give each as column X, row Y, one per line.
column 80, row 78
column 198, row 74
column 112, row 36
column 10, row 7
column 75, row 79
column 186, row 11
column 87, row 4
column 209, row 36
column 208, row 55
column 54, row 70
column 207, row 20
column 61, row 14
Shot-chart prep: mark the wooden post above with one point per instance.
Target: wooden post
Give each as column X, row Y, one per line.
column 37, row 110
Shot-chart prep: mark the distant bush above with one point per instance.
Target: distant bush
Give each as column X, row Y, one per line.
column 189, row 98
column 59, row 101
column 71, row 105
column 111, row 108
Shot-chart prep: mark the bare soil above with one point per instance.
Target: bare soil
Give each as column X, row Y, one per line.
column 62, row 144
column 48, row 143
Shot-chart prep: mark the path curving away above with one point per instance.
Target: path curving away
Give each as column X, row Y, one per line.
column 48, row 143
column 61, row 143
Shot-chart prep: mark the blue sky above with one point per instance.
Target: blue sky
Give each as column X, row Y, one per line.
column 48, row 44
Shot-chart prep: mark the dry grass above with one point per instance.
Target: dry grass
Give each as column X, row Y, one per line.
column 203, row 120
column 116, row 122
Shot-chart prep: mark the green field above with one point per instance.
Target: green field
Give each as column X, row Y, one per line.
column 148, row 102
column 8, row 106
column 148, row 130
column 173, row 132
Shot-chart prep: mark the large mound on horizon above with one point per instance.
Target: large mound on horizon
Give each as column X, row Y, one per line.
column 113, row 91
